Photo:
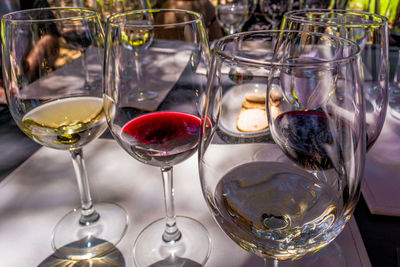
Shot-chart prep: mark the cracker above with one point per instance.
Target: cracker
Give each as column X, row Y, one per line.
column 255, row 97
column 249, row 105
column 251, row 120
column 275, row 98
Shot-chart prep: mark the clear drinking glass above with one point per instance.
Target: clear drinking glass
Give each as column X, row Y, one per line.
column 370, row 31
column 273, row 10
column 281, row 153
column 164, row 131
column 48, row 98
column 232, row 14
column 136, row 42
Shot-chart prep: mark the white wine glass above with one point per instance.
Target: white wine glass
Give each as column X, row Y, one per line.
column 164, row 131
column 48, row 98
column 136, row 42
column 370, row 31
column 232, row 14
column 282, row 177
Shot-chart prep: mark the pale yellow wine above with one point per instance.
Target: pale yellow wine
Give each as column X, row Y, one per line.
column 66, row 123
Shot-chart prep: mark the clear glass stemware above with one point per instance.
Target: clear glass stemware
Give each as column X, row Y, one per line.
column 370, row 31
column 163, row 131
column 232, row 14
column 281, row 153
column 50, row 101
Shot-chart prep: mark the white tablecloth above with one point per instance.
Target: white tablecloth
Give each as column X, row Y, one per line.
column 37, row 194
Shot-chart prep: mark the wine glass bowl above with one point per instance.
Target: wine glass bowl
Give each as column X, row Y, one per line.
column 54, row 103
column 290, row 196
column 136, row 41
column 273, row 10
column 161, row 131
column 232, row 14
column 370, row 32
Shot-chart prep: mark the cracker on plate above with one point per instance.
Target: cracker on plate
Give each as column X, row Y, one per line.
column 251, row 120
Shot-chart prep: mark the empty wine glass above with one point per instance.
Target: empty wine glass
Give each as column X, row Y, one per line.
column 297, row 195
column 273, row 10
column 48, row 98
column 164, row 131
column 370, row 31
column 102, row 7
column 129, row 5
column 232, row 14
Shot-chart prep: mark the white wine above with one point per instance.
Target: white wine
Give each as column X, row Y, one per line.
column 277, row 209
column 66, row 123
column 138, row 38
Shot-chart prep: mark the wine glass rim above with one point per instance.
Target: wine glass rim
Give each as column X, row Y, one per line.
column 269, row 63
column 376, row 19
column 110, row 19
column 12, row 16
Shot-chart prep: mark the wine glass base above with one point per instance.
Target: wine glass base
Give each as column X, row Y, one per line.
column 192, row 249
column 143, row 96
column 74, row 241
column 331, row 255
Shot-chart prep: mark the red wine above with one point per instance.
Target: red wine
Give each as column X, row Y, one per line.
column 161, row 138
column 307, row 136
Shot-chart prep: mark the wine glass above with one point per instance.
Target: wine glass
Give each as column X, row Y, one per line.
column 48, row 98
column 370, row 31
column 232, row 14
column 273, row 10
column 102, row 7
column 290, row 195
column 136, row 42
column 128, row 5
column 394, row 43
column 72, row 31
column 164, row 131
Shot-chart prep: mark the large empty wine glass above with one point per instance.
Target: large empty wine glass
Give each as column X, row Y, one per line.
column 370, row 31
column 232, row 14
column 164, row 131
column 285, row 197
column 49, row 100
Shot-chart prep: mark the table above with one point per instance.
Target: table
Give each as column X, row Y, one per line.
column 43, row 188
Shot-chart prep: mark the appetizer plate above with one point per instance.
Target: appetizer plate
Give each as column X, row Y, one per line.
column 231, row 106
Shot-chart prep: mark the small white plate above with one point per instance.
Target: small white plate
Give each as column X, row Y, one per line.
column 231, row 105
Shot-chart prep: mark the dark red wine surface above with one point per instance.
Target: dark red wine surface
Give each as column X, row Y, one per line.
column 162, row 127
column 162, row 137
column 304, row 137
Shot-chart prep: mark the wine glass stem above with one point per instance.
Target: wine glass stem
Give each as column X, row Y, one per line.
column 85, row 69
column 138, row 67
column 275, row 263
column 88, row 213
column 171, row 232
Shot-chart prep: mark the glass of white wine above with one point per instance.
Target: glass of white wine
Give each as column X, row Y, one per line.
column 48, row 98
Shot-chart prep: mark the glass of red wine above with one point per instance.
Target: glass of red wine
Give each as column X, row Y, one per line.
column 48, row 98
column 161, row 131
column 370, row 31
column 281, row 153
